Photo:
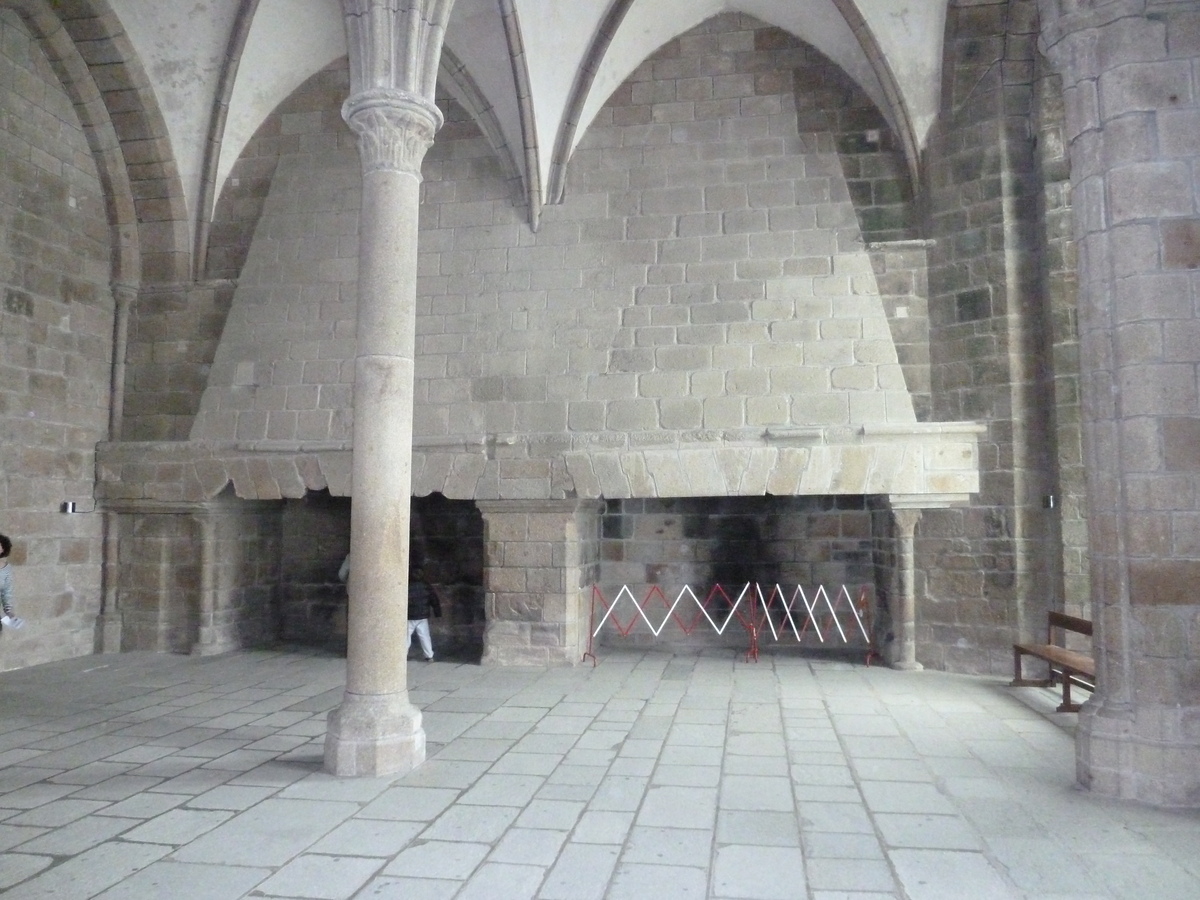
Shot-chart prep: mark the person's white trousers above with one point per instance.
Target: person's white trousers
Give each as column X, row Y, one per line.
column 421, row 627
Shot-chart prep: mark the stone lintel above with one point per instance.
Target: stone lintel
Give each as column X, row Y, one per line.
column 928, row 501
column 566, row 507
column 212, row 506
column 936, row 460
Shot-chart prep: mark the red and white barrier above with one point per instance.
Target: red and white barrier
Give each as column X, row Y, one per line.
column 842, row 619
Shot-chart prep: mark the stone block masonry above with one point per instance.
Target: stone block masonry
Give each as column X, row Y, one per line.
column 993, row 568
column 542, row 558
column 56, row 327
column 700, row 317
column 703, row 285
column 511, row 326
column 1128, row 81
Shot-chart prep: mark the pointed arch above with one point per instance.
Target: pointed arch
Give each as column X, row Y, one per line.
column 462, row 85
column 585, row 75
column 520, row 69
column 144, row 142
column 897, row 107
column 216, row 131
column 901, row 116
column 77, row 80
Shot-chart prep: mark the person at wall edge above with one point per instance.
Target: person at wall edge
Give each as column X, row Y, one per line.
column 8, row 620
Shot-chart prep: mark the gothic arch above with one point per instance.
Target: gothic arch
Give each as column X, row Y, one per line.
column 88, row 48
column 76, row 77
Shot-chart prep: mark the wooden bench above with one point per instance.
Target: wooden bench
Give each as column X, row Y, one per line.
column 1066, row 666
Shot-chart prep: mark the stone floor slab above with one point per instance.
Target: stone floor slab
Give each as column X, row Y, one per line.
column 191, row 880
column 269, row 834
column 651, row 775
column 320, row 877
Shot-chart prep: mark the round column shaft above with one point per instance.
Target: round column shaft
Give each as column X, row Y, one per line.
column 906, row 613
column 377, row 730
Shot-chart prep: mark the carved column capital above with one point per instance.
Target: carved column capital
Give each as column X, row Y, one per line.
column 907, row 521
column 123, row 292
column 395, row 129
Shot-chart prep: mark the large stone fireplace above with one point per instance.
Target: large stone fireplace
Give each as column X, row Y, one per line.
column 727, row 307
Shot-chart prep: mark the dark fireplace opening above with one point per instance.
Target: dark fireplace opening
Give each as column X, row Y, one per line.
column 446, row 540
column 701, row 542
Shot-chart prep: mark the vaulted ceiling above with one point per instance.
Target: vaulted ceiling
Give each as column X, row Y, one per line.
column 533, row 72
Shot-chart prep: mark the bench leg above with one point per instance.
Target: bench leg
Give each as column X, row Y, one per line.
column 1067, row 705
column 1020, row 681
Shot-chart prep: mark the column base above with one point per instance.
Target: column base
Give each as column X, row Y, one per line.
column 374, row 734
column 1150, row 755
column 895, row 657
column 215, row 640
column 214, row 648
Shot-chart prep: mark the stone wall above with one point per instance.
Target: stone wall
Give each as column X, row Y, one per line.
column 877, row 174
column 56, row 327
column 285, row 361
column 542, row 557
column 174, row 328
column 991, row 569
column 315, row 540
column 240, row 553
column 705, row 272
column 199, row 578
column 902, row 274
column 172, row 336
column 159, row 578
column 1060, row 285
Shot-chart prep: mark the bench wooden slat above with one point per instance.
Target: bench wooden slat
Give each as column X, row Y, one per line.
column 1060, row 656
column 1070, row 623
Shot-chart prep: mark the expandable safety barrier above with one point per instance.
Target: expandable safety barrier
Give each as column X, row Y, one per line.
column 773, row 614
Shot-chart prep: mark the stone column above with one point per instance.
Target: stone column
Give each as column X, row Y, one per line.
column 108, row 623
column 905, row 623
column 207, row 643
column 1133, row 103
column 124, row 296
column 541, row 561
column 394, row 49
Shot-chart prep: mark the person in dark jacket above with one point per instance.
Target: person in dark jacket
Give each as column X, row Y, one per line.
column 422, row 600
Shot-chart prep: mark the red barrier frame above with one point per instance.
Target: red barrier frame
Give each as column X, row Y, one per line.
column 755, row 611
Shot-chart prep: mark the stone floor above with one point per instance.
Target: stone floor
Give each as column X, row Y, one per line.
column 649, row 776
